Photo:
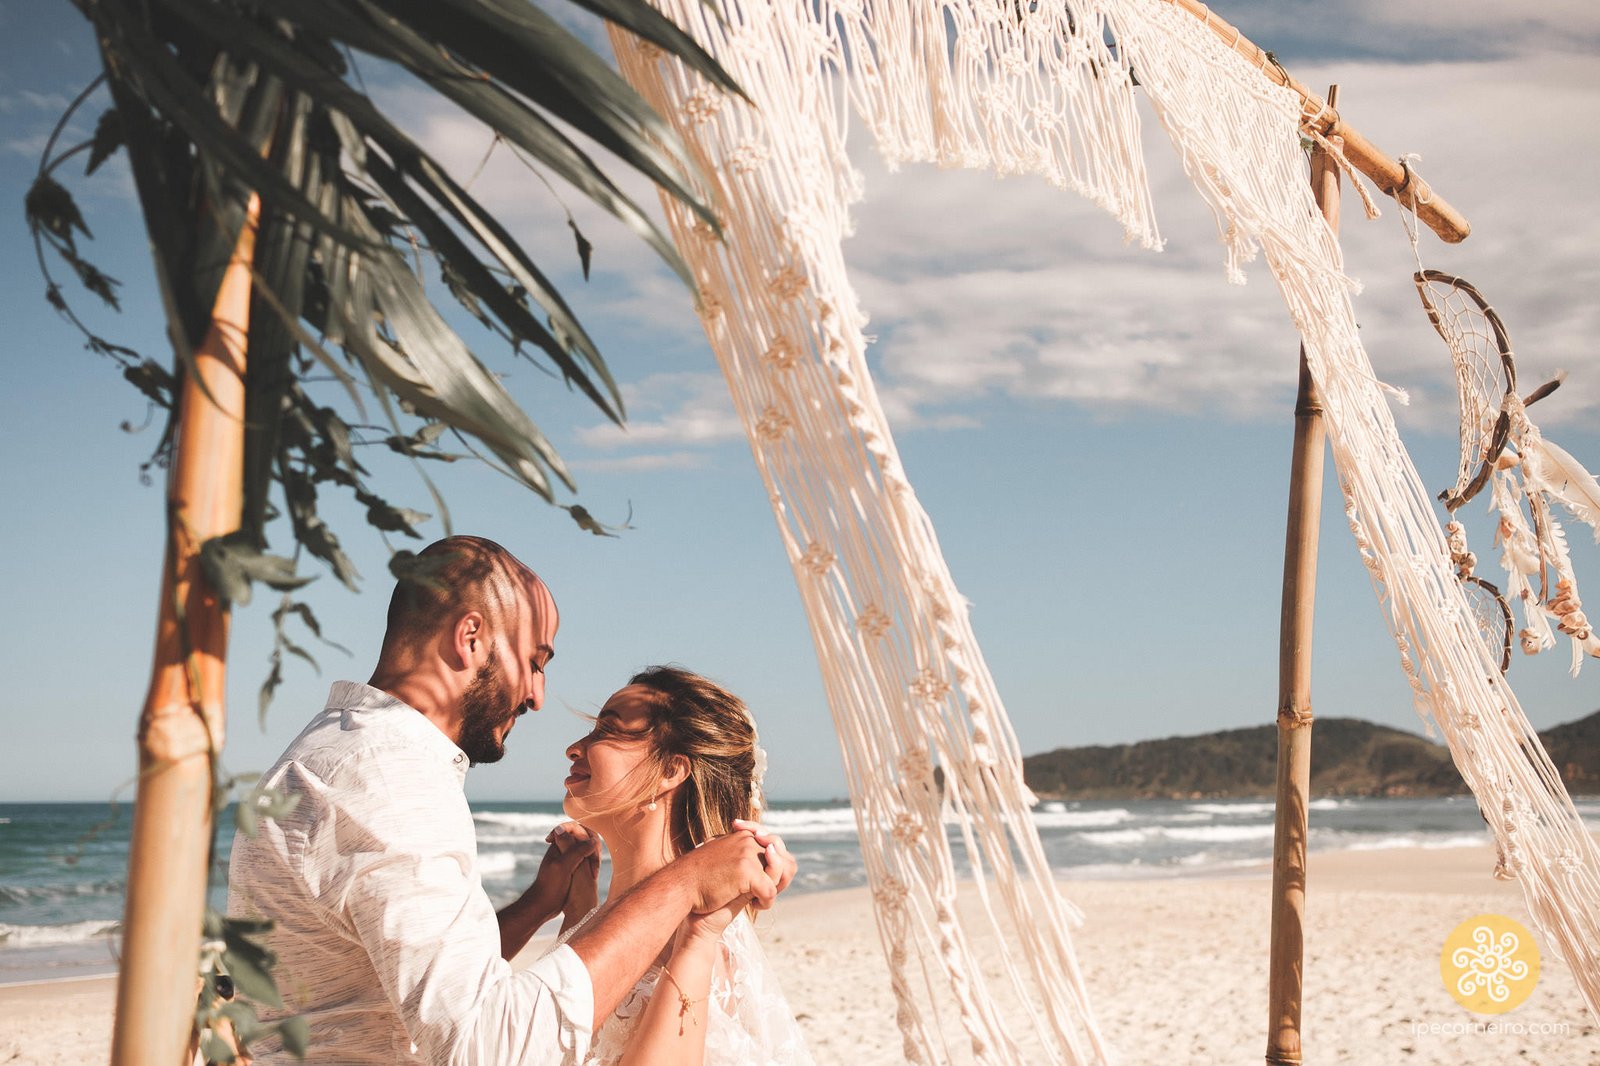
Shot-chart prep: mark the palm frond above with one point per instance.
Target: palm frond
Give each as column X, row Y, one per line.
column 216, row 100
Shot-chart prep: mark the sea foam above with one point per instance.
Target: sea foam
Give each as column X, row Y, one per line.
column 520, row 821
column 1064, row 819
column 33, row 936
column 496, row 862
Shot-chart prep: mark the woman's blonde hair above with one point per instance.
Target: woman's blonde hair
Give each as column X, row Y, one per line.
column 699, row 721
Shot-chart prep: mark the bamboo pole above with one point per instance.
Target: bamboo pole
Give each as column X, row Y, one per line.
column 1388, row 174
column 1286, row 974
column 181, row 728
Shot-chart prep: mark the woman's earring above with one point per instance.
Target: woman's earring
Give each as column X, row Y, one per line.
column 650, row 806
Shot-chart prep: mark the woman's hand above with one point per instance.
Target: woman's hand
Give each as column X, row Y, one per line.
column 565, row 883
column 575, row 842
column 780, row 865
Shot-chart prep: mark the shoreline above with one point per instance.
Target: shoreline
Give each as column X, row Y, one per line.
column 43, row 981
column 1175, row 968
column 1459, row 864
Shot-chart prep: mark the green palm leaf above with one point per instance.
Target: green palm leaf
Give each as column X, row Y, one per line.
column 217, row 100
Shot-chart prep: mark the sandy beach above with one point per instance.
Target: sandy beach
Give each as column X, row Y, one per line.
column 1177, row 970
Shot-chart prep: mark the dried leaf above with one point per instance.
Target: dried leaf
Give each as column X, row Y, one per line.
column 296, row 1036
column 390, row 519
column 51, row 207
column 408, row 566
column 232, row 564
column 246, row 818
column 580, row 514
column 269, row 687
column 585, row 249
column 152, row 379
column 102, row 285
column 215, row 1049
column 247, row 962
column 108, row 137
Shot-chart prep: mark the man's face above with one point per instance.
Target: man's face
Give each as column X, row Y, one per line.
column 511, row 682
column 488, row 708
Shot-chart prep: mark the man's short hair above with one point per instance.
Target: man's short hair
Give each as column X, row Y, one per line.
column 449, row 578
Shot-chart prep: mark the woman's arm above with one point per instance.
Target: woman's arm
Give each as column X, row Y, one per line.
column 618, row 946
column 672, row 1029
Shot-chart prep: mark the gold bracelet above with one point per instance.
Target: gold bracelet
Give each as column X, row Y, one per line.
column 685, row 1004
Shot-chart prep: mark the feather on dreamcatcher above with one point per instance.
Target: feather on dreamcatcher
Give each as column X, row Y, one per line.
column 1503, row 449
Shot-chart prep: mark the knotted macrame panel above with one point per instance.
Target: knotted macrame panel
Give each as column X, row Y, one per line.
column 1236, row 133
column 905, row 679
column 1046, row 89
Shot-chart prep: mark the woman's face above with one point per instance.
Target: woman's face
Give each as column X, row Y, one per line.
column 614, row 749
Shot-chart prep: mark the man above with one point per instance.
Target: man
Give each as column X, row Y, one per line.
column 387, row 945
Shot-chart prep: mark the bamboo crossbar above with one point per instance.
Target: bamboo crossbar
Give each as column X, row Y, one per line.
column 1390, row 175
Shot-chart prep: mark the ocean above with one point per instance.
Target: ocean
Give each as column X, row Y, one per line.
column 63, row 865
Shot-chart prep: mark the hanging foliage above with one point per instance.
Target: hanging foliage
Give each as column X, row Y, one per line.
column 258, row 153
column 216, row 100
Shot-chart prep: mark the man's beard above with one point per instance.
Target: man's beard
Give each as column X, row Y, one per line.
column 485, row 707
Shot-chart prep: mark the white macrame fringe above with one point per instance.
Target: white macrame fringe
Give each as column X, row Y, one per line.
column 1027, row 88
column 1257, row 182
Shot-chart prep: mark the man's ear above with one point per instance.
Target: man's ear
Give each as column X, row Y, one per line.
column 675, row 772
column 469, row 641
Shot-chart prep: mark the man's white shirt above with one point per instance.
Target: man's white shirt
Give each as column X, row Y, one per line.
column 386, row 942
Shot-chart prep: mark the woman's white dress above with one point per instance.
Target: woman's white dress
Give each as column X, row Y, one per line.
column 748, row 1020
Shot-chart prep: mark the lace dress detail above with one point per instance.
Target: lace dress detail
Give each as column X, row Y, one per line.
column 748, row 1020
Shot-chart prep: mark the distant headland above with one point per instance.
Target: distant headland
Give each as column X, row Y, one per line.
column 1349, row 757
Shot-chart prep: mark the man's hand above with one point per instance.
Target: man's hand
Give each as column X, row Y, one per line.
column 727, row 869
column 710, row 926
column 723, row 874
column 779, row 866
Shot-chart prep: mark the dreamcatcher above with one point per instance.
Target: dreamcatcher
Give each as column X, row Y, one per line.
column 1525, row 473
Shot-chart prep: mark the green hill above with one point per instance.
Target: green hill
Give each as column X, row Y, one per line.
column 1349, row 757
column 1575, row 749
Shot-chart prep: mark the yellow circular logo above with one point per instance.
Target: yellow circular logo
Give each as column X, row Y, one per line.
column 1489, row 964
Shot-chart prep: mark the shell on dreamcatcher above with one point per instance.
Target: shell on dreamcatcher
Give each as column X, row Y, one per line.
column 1548, row 474
column 1503, row 449
column 1526, row 476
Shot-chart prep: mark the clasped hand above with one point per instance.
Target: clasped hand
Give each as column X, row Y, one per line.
column 747, row 867
column 568, row 878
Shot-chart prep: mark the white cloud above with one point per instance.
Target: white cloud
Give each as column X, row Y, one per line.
column 1529, row 27
column 983, row 291
column 670, row 410
column 44, row 101
column 28, row 147
column 1410, row 32
column 28, row 100
column 978, row 288
column 677, row 460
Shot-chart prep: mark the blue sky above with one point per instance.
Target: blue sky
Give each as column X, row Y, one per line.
column 1100, row 434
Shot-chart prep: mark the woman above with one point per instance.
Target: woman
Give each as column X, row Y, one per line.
column 671, row 762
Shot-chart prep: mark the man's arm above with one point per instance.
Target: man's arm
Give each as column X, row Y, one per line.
column 621, row 944
column 413, row 901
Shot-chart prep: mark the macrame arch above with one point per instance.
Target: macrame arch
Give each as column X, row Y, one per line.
column 1041, row 88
